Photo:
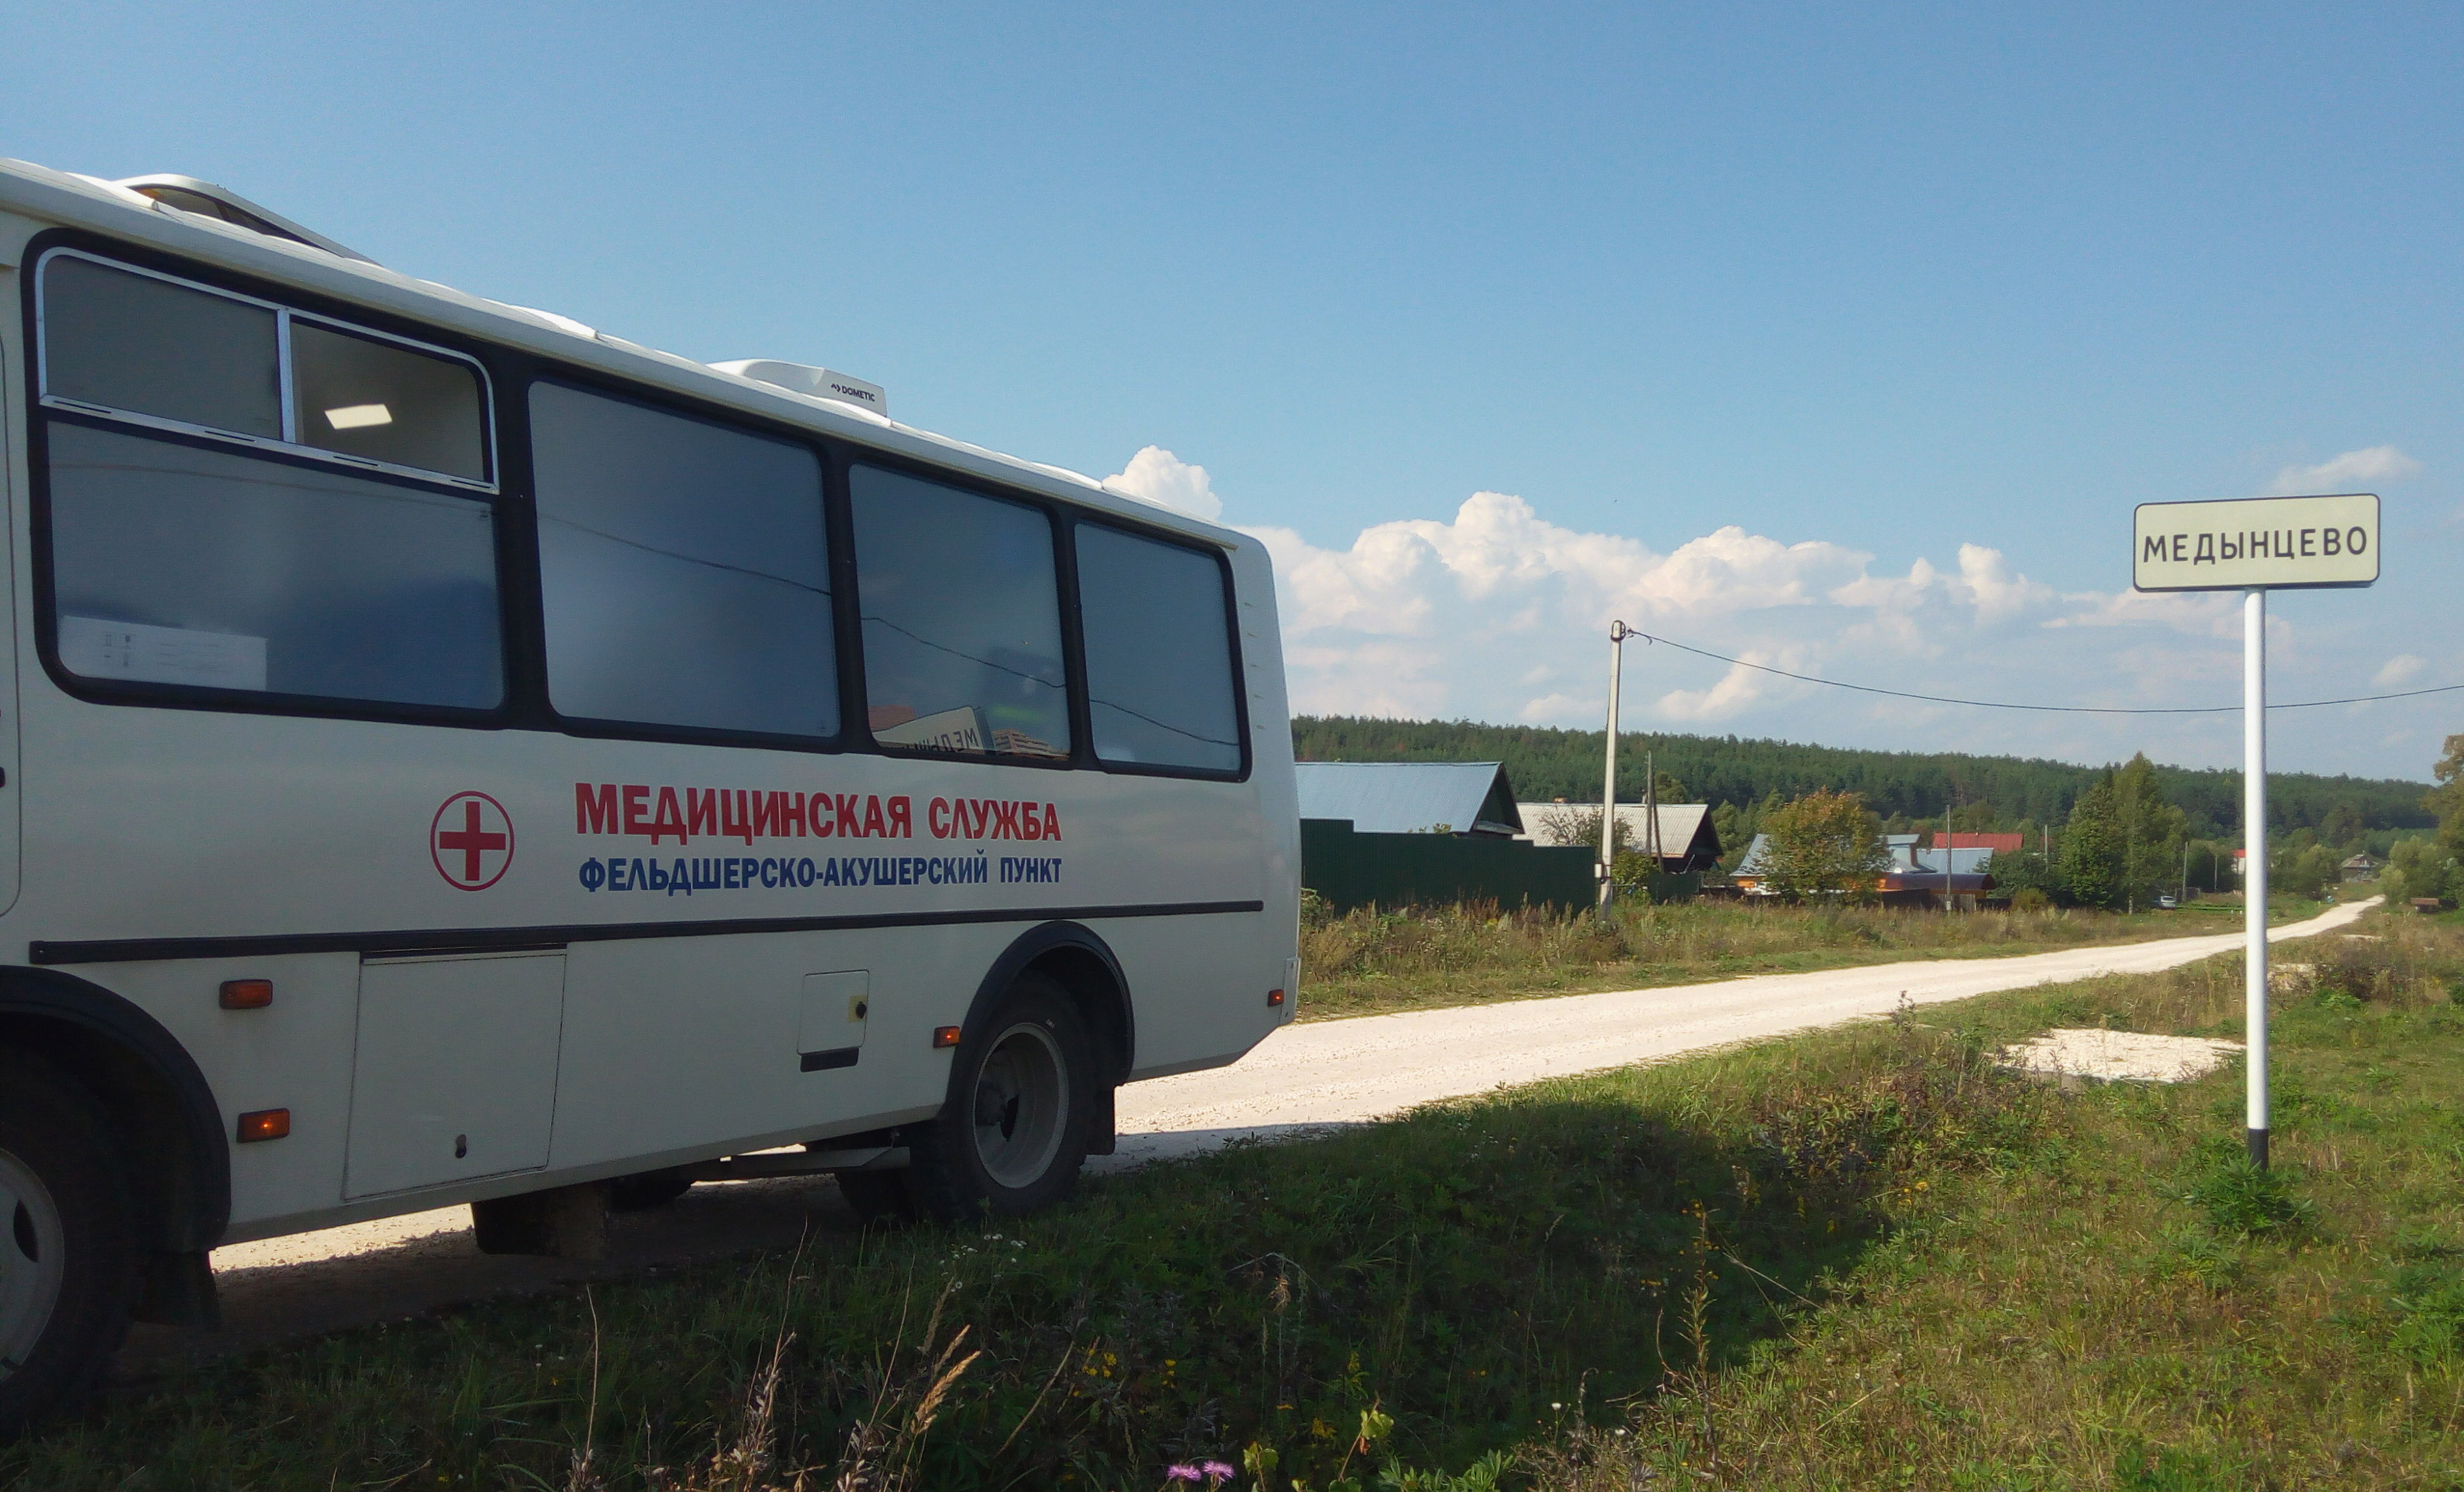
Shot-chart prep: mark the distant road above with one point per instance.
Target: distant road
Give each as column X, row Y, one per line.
column 1303, row 1077
column 1345, row 1071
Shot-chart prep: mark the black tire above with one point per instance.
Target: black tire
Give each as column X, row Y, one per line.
column 68, row 1251
column 1014, row 1129
column 647, row 1191
column 877, row 1195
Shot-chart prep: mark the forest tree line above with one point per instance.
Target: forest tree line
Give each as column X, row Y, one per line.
column 1908, row 790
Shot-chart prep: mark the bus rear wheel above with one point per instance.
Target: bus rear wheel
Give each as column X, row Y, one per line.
column 1014, row 1131
column 67, row 1256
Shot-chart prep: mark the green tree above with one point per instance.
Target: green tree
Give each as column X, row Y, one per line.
column 2419, row 866
column 1821, row 845
column 2446, row 799
column 2427, row 864
column 2092, row 847
column 2302, row 867
column 2027, row 869
column 2153, row 833
column 2342, row 828
column 1737, row 826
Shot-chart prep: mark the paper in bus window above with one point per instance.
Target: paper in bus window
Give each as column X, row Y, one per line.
column 952, row 730
column 132, row 650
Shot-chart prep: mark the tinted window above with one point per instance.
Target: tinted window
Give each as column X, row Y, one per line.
column 384, row 402
column 178, row 566
column 1158, row 652
column 684, row 567
column 131, row 341
column 961, row 619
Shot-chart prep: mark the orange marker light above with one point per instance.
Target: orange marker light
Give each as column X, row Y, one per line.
column 247, row 994
column 1274, row 996
column 945, row 1036
column 265, row 1124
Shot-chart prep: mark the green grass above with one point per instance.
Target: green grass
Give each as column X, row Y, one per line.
column 1371, row 961
column 1859, row 1258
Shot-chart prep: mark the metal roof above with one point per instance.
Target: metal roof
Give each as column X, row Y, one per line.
column 1965, row 861
column 1681, row 826
column 1409, row 797
column 1905, row 858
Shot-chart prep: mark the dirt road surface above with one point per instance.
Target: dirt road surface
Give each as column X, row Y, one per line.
column 1302, row 1078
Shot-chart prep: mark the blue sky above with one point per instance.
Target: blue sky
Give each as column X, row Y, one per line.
column 1918, row 302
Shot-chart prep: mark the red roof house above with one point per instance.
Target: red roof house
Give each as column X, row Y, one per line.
column 1999, row 844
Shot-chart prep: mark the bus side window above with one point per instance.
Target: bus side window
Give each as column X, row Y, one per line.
column 1158, row 652
column 961, row 619
column 179, row 563
column 684, row 567
column 357, row 396
column 130, row 341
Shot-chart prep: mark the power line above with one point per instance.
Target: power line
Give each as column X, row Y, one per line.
column 2003, row 704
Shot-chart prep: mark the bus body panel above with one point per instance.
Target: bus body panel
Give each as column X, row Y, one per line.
column 295, row 1055
column 12, row 501
column 694, row 960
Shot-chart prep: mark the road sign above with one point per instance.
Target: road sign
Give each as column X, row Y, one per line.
column 2255, row 545
column 2246, row 543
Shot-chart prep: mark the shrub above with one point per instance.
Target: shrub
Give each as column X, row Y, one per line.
column 2241, row 1199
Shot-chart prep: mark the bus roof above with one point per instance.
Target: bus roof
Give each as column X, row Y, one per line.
column 53, row 198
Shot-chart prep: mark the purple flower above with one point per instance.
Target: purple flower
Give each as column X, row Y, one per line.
column 1181, row 1472
column 1216, row 1470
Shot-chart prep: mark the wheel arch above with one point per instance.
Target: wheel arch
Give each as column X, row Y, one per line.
column 1081, row 962
column 162, row 1111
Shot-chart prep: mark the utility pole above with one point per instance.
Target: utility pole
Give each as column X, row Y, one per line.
column 1618, row 634
column 1651, row 809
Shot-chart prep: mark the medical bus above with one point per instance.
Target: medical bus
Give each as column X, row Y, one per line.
column 452, row 754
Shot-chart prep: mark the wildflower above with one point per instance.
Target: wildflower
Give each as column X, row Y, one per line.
column 1182, row 1471
column 1217, row 1471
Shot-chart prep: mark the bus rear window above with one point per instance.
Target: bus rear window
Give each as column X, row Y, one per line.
column 961, row 619
column 123, row 341
column 1158, row 652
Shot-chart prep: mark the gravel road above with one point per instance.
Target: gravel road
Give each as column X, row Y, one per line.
column 1304, row 1076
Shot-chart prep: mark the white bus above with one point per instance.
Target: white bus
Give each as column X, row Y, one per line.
column 449, row 755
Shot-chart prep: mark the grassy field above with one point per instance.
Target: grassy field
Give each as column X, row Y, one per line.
column 1370, row 962
column 1861, row 1258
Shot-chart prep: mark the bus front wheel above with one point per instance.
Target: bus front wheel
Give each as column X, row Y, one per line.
column 1015, row 1128
column 67, row 1256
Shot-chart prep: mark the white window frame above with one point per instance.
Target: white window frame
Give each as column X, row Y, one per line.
column 289, row 445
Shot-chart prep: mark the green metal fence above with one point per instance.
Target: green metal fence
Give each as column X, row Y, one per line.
column 1351, row 870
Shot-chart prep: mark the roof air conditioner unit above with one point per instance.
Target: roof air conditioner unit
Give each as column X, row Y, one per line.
column 798, row 378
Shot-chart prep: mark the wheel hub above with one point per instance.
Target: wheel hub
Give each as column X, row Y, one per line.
column 1021, row 1110
column 33, row 1259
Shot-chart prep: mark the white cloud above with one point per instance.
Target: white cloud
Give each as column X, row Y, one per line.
column 1158, row 476
column 1495, row 613
column 1562, row 709
column 1736, row 691
column 2198, row 613
column 2401, row 670
column 2353, row 469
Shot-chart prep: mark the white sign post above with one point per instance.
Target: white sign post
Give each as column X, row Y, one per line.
column 2255, row 545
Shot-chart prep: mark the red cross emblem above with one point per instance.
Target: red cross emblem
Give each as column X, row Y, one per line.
column 472, row 841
